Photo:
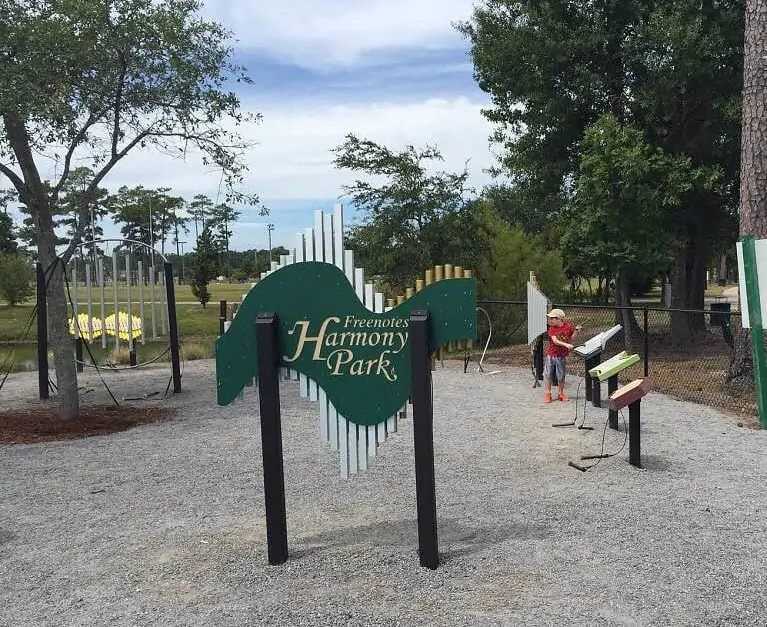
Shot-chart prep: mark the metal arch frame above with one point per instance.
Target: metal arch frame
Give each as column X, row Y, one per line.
column 93, row 242
column 489, row 336
column 154, row 251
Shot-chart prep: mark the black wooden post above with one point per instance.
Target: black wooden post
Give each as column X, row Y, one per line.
column 589, row 363
column 42, row 334
column 271, row 438
column 538, row 361
column 646, row 340
column 635, row 445
column 612, row 386
column 423, row 439
column 221, row 316
column 79, row 353
column 173, row 328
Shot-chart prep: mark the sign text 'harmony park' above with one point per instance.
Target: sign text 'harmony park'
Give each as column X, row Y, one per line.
column 360, row 358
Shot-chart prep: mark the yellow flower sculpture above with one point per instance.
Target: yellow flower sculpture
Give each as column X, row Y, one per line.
column 122, row 329
column 84, row 329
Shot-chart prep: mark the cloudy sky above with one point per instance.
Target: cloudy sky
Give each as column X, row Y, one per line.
column 393, row 71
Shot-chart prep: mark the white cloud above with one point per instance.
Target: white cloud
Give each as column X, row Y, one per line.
column 293, row 161
column 333, row 33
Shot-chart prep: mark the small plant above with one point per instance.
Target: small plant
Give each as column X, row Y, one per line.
column 16, row 276
column 120, row 356
column 192, row 351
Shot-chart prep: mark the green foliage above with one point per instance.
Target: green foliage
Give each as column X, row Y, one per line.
column 503, row 275
column 405, row 211
column 625, row 196
column 8, row 242
column 673, row 70
column 204, row 266
column 504, row 272
column 16, row 276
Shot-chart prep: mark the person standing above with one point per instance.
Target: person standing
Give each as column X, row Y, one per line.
column 561, row 333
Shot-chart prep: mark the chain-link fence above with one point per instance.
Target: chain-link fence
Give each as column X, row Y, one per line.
column 686, row 353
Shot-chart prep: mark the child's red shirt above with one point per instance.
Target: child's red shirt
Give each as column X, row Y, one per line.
column 563, row 333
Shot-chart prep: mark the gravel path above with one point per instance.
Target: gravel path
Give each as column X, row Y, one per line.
column 164, row 524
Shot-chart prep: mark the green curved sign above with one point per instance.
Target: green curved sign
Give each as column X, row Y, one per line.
column 360, row 358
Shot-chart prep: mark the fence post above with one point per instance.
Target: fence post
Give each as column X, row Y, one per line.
column 646, row 340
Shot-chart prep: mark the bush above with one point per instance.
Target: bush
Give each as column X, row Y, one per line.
column 192, row 351
column 16, row 277
column 504, row 273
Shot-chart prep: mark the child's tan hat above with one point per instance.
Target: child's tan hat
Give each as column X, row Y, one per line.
column 556, row 313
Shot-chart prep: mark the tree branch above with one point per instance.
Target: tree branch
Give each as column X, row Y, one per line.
column 14, row 178
column 18, row 138
column 118, row 104
column 82, row 215
column 78, row 138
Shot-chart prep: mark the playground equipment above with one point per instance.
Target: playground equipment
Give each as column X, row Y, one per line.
column 124, row 275
column 320, row 322
column 631, row 395
column 591, row 351
column 356, row 444
column 609, row 370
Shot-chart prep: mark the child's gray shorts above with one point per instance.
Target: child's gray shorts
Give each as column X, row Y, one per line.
column 554, row 365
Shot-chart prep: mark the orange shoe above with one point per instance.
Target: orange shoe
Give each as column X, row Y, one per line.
column 563, row 397
column 547, row 397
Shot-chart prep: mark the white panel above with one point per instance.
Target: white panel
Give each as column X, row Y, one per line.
column 327, row 231
column 303, row 382
column 760, row 247
column 309, row 256
column 319, row 254
column 537, row 308
column 362, row 446
column 372, row 437
column 338, row 235
column 343, row 445
column 349, row 266
column 390, row 426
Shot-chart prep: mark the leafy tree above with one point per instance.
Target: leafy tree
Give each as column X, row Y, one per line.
column 205, row 268
column 221, row 220
column 399, row 234
column 95, row 81
column 16, row 276
column 504, row 271
column 71, row 202
column 623, row 181
column 8, row 243
column 673, row 69
column 753, row 192
column 199, row 209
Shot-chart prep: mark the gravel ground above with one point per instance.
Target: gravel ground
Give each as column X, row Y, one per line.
column 164, row 524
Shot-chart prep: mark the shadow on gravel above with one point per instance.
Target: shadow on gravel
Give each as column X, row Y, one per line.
column 455, row 538
column 656, row 463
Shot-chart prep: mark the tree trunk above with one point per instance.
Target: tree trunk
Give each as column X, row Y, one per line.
column 688, row 289
column 632, row 334
column 753, row 166
column 58, row 324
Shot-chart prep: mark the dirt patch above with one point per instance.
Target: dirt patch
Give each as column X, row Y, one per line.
column 42, row 424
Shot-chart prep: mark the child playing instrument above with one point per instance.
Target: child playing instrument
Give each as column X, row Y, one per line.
column 560, row 335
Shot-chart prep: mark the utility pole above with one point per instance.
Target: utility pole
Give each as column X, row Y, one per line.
column 182, row 261
column 270, row 228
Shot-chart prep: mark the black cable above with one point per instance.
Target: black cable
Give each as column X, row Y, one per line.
column 602, row 454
